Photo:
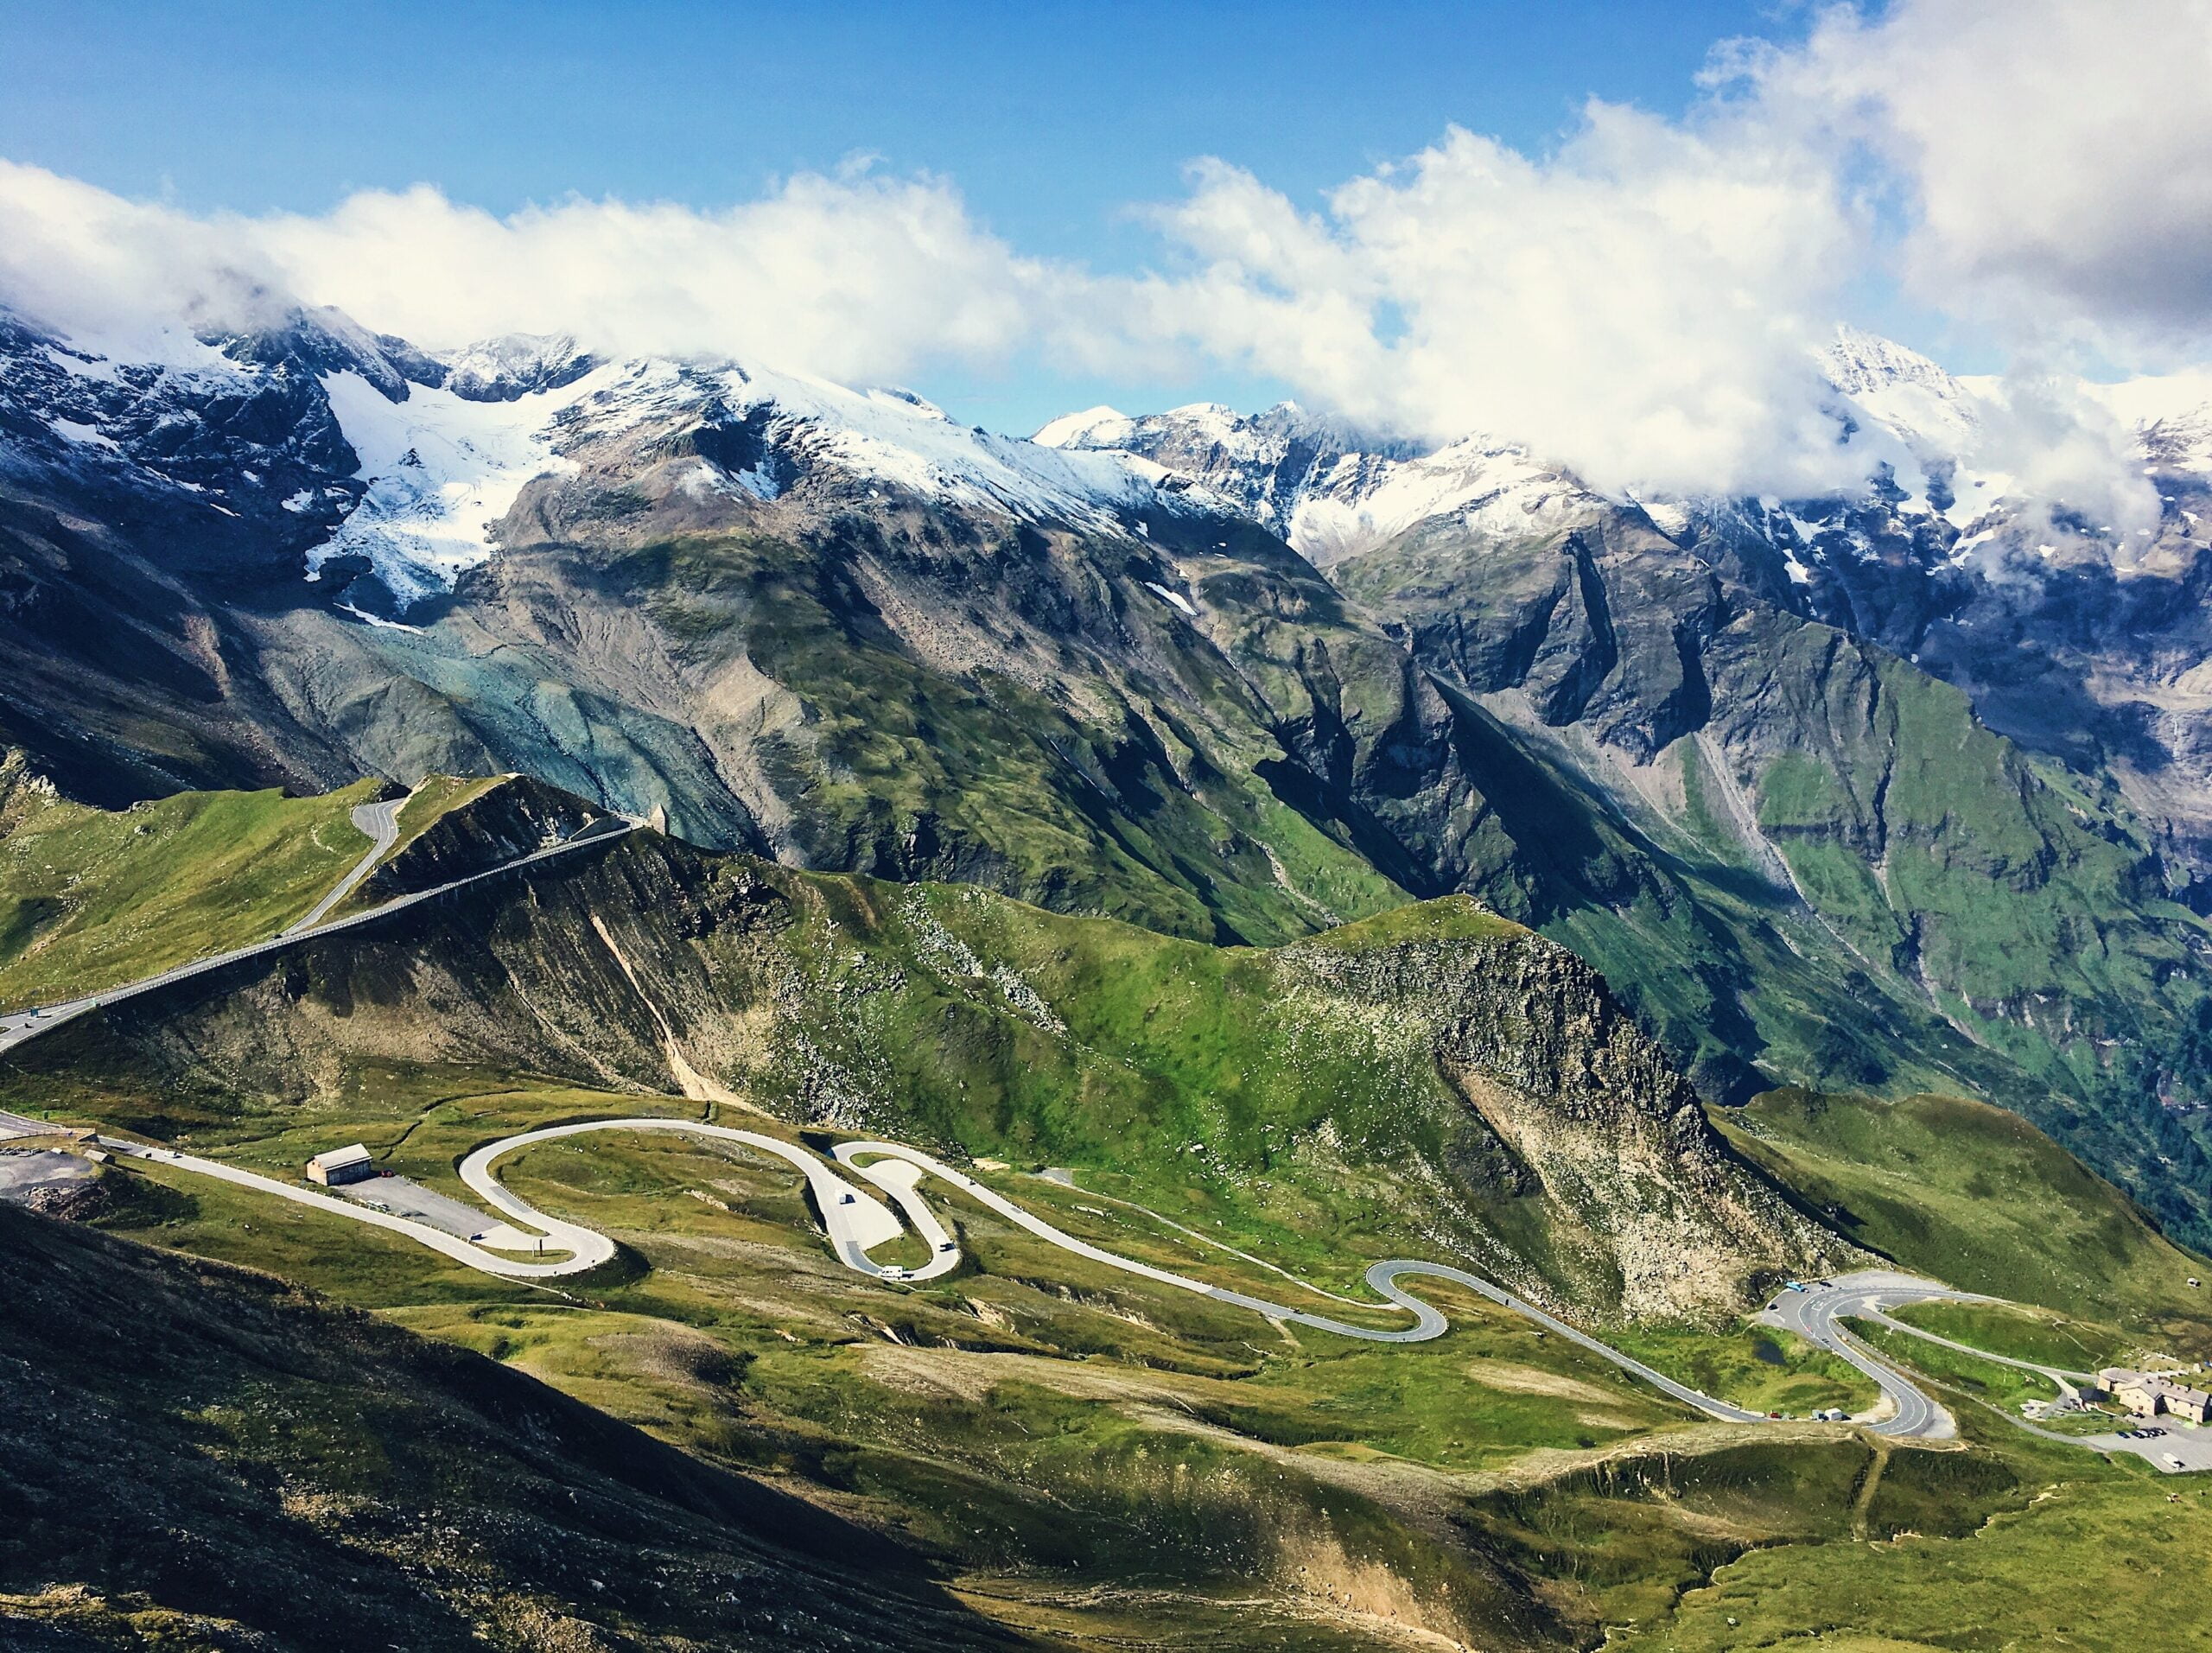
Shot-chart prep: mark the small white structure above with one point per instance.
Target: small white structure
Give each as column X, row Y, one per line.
column 341, row 1165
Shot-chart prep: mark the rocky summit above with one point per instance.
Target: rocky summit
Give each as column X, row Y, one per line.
column 1232, row 677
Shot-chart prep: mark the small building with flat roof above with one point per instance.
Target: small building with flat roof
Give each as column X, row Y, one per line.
column 341, row 1166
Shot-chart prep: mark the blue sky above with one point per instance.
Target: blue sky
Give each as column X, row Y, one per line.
column 1053, row 119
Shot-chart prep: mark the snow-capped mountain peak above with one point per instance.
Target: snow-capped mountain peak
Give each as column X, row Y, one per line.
column 1098, row 426
column 515, row 365
column 1901, row 393
column 362, row 446
column 1329, row 490
column 1858, row 361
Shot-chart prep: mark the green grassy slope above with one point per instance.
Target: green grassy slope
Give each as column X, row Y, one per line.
column 1087, row 1458
column 1135, row 794
column 90, row 899
column 2104, row 1558
column 2069, row 1343
column 1298, row 1089
column 1822, row 869
column 2021, row 901
column 1978, row 1198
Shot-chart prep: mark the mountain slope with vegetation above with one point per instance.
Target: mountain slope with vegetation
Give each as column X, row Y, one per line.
column 91, row 898
column 1437, row 1047
column 196, row 1456
column 1978, row 1198
column 837, row 629
column 1078, row 1457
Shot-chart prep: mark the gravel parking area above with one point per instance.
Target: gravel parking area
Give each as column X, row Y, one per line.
column 404, row 1198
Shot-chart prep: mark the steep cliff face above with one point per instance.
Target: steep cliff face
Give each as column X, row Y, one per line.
column 1439, row 1070
column 1583, row 1108
column 1798, row 850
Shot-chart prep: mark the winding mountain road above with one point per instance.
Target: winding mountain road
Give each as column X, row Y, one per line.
column 381, row 821
column 1816, row 1313
column 857, row 1221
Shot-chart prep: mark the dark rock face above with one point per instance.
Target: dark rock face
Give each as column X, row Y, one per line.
column 1586, row 1111
column 308, row 344
column 201, row 461
column 517, row 816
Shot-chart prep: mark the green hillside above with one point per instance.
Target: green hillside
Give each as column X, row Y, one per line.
column 195, row 1456
column 1076, row 1455
column 1435, row 1047
column 1803, row 859
column 1979, row 1198
column 90, row 897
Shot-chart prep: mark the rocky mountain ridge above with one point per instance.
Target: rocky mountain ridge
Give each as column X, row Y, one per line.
column 2080, row 637
column 838, row 628
column 1478, row 1062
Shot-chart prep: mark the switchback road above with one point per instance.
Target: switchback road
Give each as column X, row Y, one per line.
column 381, row 821
column 858, row 1222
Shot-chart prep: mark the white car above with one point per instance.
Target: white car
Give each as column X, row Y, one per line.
column 2174, row 1459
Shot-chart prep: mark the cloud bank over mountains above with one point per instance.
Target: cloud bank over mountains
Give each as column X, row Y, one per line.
column 1641, row 303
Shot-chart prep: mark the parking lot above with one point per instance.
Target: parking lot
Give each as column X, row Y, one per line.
column 403, row 1198
column 2192, row 1446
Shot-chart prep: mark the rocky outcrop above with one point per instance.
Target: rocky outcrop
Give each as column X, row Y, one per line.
column 1588, row 1114
column 512, row 816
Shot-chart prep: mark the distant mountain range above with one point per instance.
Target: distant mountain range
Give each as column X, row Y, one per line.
column 1907, row 789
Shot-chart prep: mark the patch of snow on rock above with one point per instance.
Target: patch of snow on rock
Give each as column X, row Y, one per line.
column 439, row 470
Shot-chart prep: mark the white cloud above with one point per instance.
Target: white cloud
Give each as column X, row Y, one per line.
column 1643, row 305
column 79, row 257
column 2054, row 157
column 854, row 277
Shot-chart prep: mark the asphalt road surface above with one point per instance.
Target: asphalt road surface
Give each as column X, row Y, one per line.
column 381, row 821
column 1814, row 1313
column 2176, row 1452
